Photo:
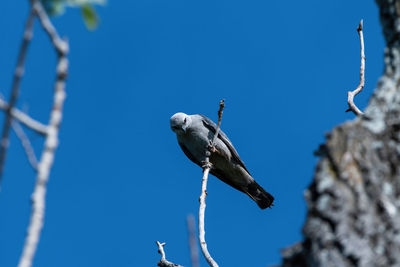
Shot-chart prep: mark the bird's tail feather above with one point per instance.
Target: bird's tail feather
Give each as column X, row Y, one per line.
column 259, row 195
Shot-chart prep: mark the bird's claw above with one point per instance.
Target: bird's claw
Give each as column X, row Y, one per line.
column 206, row 164
column 211, row 147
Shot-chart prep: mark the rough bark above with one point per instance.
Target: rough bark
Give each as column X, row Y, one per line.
column 353, row 216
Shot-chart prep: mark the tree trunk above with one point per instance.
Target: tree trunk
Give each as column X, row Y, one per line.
column 353, row 216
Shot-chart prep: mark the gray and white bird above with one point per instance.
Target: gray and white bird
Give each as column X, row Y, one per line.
column 194, row 133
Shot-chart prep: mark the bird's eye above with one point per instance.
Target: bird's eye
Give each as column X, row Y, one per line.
column 184, row 120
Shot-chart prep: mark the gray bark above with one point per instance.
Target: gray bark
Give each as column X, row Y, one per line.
column 353, row 203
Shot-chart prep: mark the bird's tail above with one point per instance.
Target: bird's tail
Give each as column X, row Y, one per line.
column 259, row 195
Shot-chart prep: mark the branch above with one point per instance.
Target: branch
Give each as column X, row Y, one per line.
column 194, row 253
column 26, row 144
column 23, row 118
column 18, row 73
column 60, row 45
column 352, row 94
column 163, row 262
column 50, row 143
column 206, row 169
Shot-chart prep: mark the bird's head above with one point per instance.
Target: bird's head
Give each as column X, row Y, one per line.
column 180, row 122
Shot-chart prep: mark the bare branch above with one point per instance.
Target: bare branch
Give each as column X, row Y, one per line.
column 18, row 73
column 25, row 119
column 206, row 169
column 50, row 143
column 26, row 144
column 59, row 44
column 352, row 94
column 163, row 262
column 194, row 253
column 220, row 111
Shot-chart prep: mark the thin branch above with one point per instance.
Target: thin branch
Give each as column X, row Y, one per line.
column 206, row 169
column 18, row 73
column 50, row 143
column 25, row 119
column 26, row 144
column 352, row 94
column 194, row 253
column 59, row 44
column 163, row 261
column 220, row 111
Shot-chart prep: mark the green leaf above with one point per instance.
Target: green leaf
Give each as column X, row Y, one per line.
column 57, row 7
column 85, row 2
column 89, row 16
column 54, row 7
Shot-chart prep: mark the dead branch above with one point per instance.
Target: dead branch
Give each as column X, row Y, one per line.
column 352, row 94
column 61, row 46
column 194, row 253
column 163, row 261
column 51, row 140
column 206, row 169
column 18, row 73
column 24, row 118
column 26, row 144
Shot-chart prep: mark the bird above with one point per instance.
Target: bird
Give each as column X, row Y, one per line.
column 194, row 133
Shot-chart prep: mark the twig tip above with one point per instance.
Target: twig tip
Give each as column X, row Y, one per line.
column 360, row 26
column 160, row 244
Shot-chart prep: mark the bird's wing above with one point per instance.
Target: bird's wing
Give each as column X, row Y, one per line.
column 188, row 154
column 223, row 178
column 213, row 171
column 222, row 136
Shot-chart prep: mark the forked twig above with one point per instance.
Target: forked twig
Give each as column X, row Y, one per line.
column 24, row 119
column 163, row 261
column 206, row 169
column 352, row 94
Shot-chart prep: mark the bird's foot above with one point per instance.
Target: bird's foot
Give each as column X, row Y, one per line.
column 206, row 164
column 211, row 147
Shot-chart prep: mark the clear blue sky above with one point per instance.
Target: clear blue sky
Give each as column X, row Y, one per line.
column 120, row 181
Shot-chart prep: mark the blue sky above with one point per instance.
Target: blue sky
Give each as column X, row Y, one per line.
column 120, row 181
